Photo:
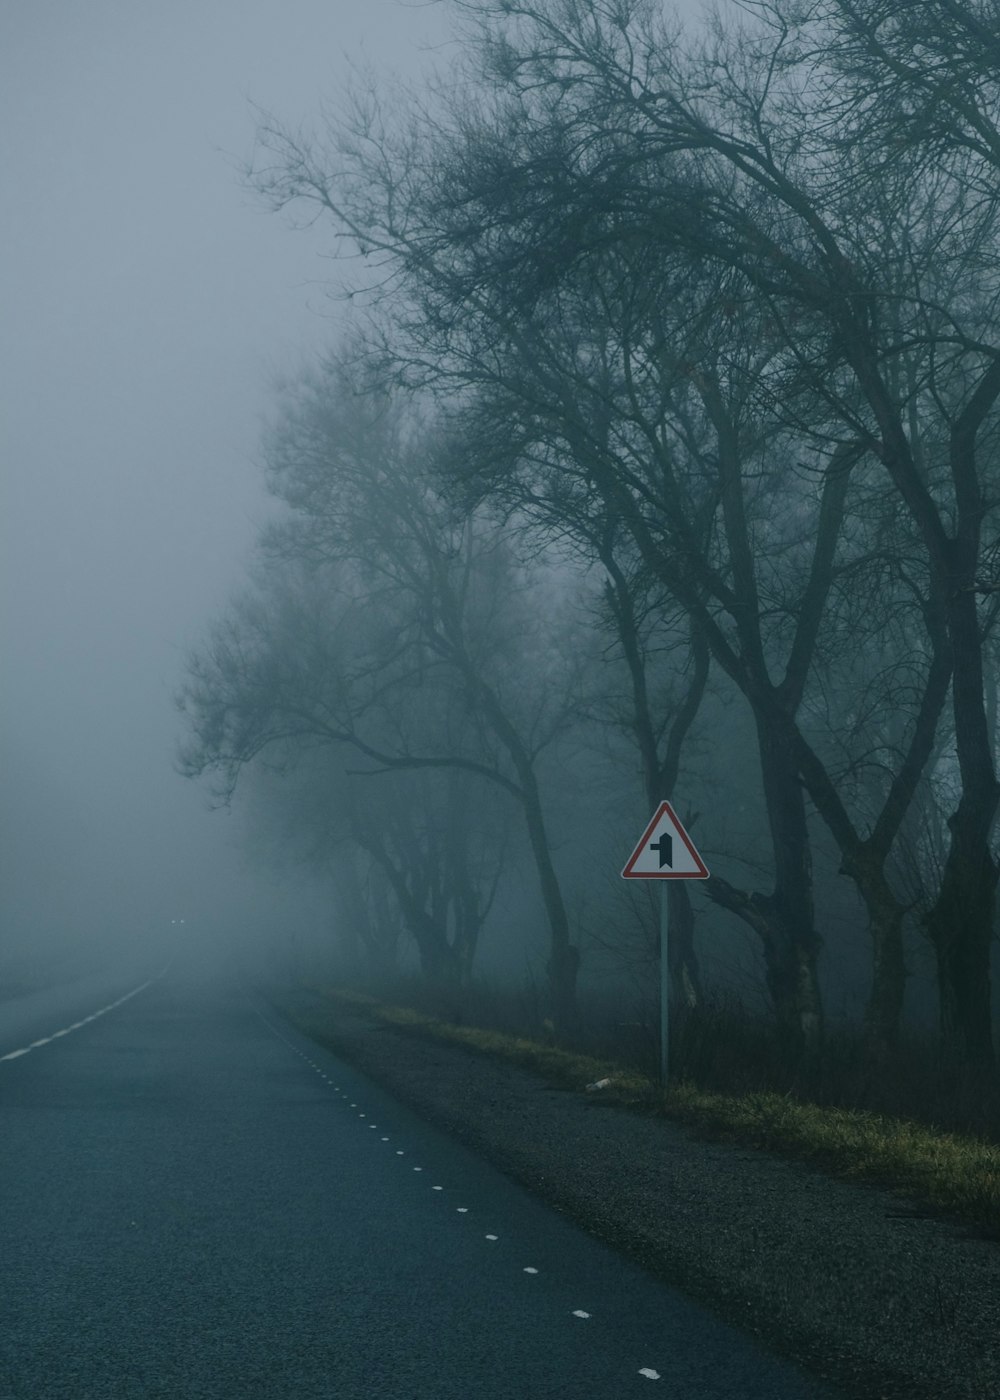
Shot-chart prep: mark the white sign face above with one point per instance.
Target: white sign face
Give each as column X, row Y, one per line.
column 665, row 851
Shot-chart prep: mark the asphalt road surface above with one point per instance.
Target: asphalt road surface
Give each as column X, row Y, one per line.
column 196, row 1201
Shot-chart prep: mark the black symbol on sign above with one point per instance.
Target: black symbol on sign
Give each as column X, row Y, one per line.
column 665, row 847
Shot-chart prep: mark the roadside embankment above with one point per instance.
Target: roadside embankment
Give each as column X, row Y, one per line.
column 852, row 1280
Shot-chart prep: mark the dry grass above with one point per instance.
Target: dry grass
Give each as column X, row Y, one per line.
column 943, row 1171
column 563, row 1067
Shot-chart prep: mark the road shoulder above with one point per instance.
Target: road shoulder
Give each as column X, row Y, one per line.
column 846, row 1279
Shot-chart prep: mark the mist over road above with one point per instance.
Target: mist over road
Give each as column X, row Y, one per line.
column 199, row 1202
column 54, row 1010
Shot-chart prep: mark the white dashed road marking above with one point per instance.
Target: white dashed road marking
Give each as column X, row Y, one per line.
column 16, row 1054
column 645, row 1371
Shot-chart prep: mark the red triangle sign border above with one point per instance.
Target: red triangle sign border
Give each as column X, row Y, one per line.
column 700, row 873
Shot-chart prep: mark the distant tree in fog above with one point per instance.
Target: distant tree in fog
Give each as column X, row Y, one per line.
column 426, row 837
column 390, row 623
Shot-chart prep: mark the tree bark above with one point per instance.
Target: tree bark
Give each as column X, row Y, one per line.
column 784, row 919
column 960, row 926
column 564, row 957
column 563, row 963
column 685, row 974
column 885, row 999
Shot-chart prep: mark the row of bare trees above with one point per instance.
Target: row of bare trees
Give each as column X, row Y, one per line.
column 716, row 315
column 399, row 631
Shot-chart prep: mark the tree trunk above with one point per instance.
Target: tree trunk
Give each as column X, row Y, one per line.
column 864, row 863
column 438, row 963
column 790, row 958
column 793, row 950
column 960, row 926
column 464, row 894
column 353, row 929
column 564, row 958
column 789, row 966
column 885, row 999
column 685, row 977
column 383, row 949
column 960, row 923
column 784, row 919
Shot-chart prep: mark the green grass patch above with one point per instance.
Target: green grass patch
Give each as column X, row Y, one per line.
column 942, row 1171
column 946, row 1172
column 565, row 1068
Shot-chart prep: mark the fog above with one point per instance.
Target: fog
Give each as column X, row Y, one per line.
column 153, row 305
column 148, row 303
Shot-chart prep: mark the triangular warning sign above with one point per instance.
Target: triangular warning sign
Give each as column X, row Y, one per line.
column 665, row 851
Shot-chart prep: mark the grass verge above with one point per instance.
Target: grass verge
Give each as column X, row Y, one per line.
column 943, row 1172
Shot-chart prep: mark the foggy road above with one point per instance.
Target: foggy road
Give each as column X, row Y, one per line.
column 200, row 1202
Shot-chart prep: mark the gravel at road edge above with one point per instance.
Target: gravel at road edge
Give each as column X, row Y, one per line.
column 848, row 1280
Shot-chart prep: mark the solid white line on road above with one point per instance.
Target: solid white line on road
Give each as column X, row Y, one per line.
column 16, row 1054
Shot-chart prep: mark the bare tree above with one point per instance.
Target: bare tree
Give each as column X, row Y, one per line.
column 872, row 249
column 744, row 239
column 397, row 627
column 614, row 398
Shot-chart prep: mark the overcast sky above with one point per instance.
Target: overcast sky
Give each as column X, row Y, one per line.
column 147, row 303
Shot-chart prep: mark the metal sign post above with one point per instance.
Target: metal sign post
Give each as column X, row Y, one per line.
column 664, row 985
column 665, row 852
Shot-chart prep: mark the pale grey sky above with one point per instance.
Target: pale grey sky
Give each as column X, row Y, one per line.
column 146, row 303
